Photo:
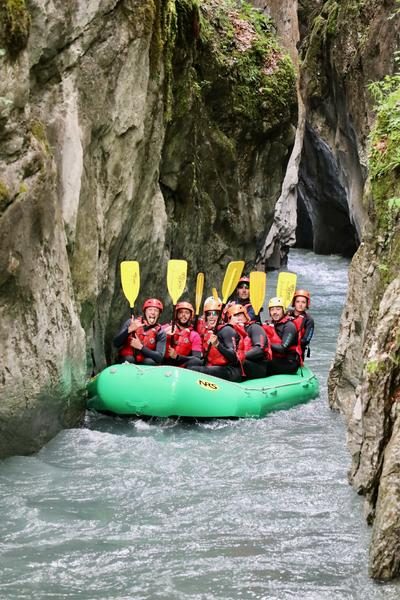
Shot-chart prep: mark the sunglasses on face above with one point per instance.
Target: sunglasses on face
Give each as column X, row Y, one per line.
column 243, row 285
column 212, row 313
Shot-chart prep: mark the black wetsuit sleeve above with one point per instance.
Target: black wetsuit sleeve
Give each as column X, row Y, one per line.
column 158, row 354
column 258, row 341
column 180, row 359
column 308, row 331
column 288, row 334
column 122, row 335
column 228, row 340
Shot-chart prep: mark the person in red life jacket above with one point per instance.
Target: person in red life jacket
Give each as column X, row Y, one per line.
column 253, row 350
column 201, row 327
column 182, row 343
column 284, row 340
column 142, row 340
column 219, row 346
column 302, row 319
column 242, row 296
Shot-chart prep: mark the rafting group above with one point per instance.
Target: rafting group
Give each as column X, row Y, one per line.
column 229, row 340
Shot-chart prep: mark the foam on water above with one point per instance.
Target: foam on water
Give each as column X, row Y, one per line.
column 222, row 509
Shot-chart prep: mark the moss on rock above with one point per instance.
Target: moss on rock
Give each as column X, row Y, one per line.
column 4, row 195
column 234, row 65
column 336, row 38
column 384, row 168
column 14, row 25
column 38, row 131
column 231, row 111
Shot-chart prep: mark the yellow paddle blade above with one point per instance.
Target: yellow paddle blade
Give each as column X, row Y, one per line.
column 215, row 294
column 258, row 286
column 199, row 291
column 286, row 287
column 232, row 276
column 130, row 279
column 176, row 278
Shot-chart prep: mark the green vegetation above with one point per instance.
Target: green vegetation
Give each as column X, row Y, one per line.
column 374, row 367
column 4, row 191
column 384, row 169
column 14, row 25
column 385, row 138
column 39, row 132
column 227, row 56
column 337, row 38
column 5, row 196
column 224, row 54
column 322, row 31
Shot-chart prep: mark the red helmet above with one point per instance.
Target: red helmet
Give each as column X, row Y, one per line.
column 237, row 309
column 153, row 303
column 243, row 279
column 185, row 305
column 305, row 293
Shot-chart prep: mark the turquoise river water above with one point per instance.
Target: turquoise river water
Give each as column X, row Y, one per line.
column 248, row 509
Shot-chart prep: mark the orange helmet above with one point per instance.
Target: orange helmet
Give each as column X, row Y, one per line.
column 237, row 309
column 153, row 303
column 305, row 293
column 212, row 304
column 185, row 305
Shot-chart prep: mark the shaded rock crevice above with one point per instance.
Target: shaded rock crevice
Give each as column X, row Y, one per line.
column 325, row 199
column 299, row 217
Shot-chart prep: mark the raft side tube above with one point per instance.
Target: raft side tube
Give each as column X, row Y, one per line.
column 171, row 391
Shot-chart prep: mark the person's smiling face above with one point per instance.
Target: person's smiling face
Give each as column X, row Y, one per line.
column 151, row 315
column 183, row 316
column 276, row 313
column 211, row 318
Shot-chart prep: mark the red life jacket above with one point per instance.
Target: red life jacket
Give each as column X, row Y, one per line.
column 267, row 350
column 148, row 339
column 181, row 341
column 201, row 327
column 244, row 344
column 275, row 339
column 299, row 323
column 214, row 356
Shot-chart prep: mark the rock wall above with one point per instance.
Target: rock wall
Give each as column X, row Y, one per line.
column 129, row 129
column 364, row 383
column 316, row 208
column 281, row 235
column 347, row 46
column 226, row 149
column 347, row 191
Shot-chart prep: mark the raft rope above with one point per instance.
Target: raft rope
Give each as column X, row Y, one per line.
column 282, row 385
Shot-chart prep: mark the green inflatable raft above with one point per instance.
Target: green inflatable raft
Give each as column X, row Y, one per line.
column 164, row 391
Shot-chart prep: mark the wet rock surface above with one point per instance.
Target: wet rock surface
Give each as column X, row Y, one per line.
column 127, row 131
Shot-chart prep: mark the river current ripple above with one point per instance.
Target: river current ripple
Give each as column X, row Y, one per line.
column 248, row 509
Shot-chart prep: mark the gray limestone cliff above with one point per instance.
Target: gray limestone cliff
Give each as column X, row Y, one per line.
column 129, row 129
column 347, row 190
column 350, row 46
column 320, row 206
